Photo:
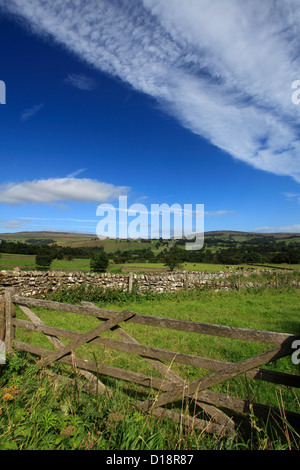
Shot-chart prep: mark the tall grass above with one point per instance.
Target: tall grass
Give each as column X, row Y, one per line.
column 40, row 411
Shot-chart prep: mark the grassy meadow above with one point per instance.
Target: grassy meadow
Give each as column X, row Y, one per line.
column 9, row 261
column 27, row 262
column 40, row 412
column 272, row 310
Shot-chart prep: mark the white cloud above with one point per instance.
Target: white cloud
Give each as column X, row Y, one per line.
column 12, row 224
column 81, row 81
column 53, row 190
column 223, row 69
column 292, row 197
column 65, row 219
column 221, row 212
column 75, row 173
column 288, row 229
column 29, row 113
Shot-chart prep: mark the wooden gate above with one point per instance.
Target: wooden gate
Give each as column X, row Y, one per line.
column 221, row 409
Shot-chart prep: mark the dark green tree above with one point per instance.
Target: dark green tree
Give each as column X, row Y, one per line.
column 99, row 262
column 172, row 260
column 253, row 258
column 44, row 257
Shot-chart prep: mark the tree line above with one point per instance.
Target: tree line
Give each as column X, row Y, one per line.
column 238, row 253
column 58, row 252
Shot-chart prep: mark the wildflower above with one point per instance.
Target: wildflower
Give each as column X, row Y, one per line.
column 68, row 431
column 13, row 390
column 7, row 397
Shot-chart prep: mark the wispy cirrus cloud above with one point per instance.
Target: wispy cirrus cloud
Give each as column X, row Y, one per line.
column 223, row 69
column 75, row 173
column 220, row 212
column 12, row 224
column 61, row 219
column 292, row 197
column 55, row 190
column 30, row 112
column 81, row 81
column 287, row 229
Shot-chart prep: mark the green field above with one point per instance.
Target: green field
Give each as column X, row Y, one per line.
column 36, row 413
column 205, row 267
column 9, row 261
column 265, row 309
column 27, row 262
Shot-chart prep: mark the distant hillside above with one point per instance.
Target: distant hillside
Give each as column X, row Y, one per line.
column 234, row 234
column 75, row 240
column 88, row 240
column 61, row 238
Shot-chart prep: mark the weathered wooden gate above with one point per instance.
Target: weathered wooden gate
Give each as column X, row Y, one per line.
column 221, row 409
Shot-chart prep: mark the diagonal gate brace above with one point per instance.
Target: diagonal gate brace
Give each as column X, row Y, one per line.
column 58, row 344
column 216, row 414
column 193, row 388
column 86, row 337
column 165, row 371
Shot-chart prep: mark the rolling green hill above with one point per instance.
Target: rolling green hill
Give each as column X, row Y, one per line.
column 76, row 240
column 79, row 239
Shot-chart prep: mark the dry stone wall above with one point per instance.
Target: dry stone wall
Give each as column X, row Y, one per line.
column 30, row 283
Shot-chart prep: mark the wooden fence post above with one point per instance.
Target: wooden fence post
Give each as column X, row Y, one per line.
column 130, row 282
column 10, row 313
column 186, row 281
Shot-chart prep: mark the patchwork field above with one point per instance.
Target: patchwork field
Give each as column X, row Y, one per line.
column 79, row 239
column 27, row 262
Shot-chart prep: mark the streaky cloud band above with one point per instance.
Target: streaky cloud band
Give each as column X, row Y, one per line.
column 223, row 69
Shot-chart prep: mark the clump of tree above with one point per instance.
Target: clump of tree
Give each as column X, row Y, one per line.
column 44, row 257
column 99, row 262
column 40, row 241
column 174, row 258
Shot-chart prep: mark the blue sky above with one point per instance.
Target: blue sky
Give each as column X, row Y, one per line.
column 165, row 101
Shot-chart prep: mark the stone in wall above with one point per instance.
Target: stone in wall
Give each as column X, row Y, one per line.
column 37, row 282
